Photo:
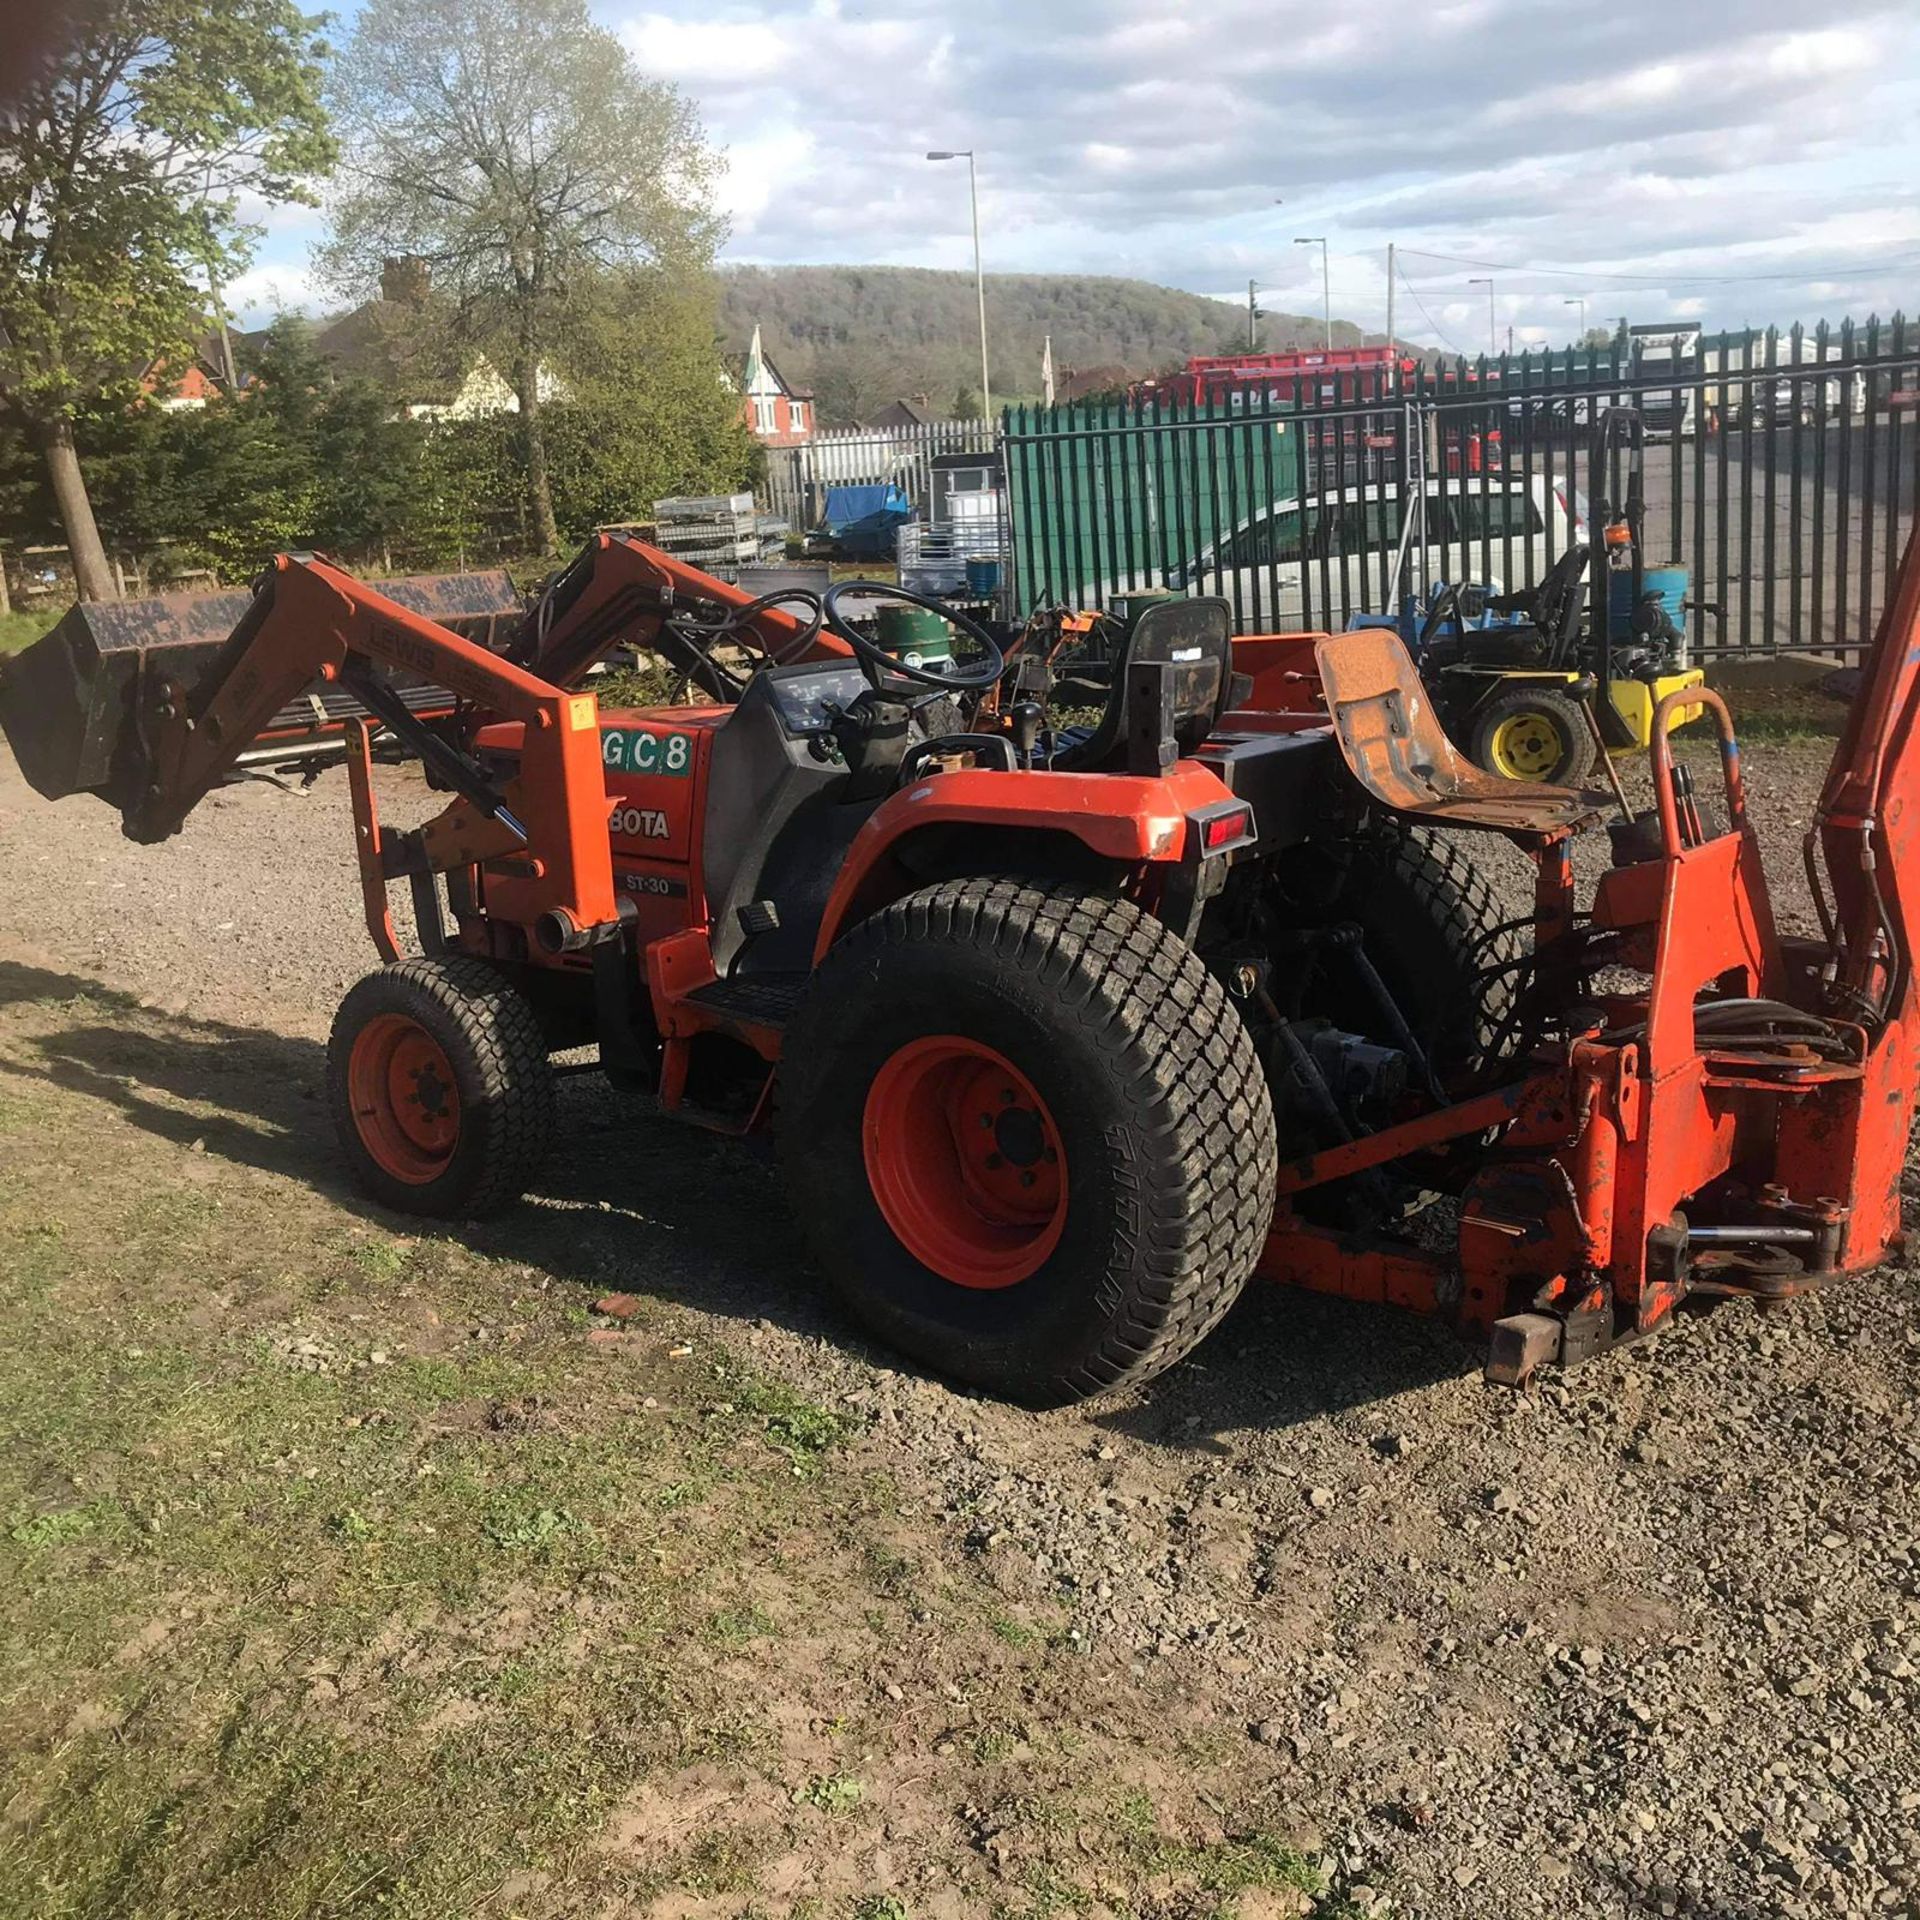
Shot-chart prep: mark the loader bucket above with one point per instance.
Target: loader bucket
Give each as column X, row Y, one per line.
column 67, row 703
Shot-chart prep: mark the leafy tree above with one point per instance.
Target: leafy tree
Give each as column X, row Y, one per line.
column 853, row 383
column 121, row 166
column 965, row 404
column 513, row 147
column 302, row 459
column 648, row 413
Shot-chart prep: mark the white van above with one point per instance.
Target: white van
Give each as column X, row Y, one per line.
column 1479, row 527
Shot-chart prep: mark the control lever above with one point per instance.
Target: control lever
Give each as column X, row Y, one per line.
column 1584, row 691
column 1024, row 721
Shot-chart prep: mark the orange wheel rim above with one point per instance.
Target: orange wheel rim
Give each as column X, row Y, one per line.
column 405, row 1101
column 964, row 1159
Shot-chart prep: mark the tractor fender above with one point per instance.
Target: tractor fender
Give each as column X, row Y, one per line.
column 1123, row 821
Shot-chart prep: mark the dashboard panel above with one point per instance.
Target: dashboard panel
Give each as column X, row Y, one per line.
column 807, row 698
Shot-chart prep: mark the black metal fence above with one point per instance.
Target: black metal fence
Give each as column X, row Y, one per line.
column 797, row 478
column 1780, row 471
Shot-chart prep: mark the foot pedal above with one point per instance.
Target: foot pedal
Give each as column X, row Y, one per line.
column 758, row 917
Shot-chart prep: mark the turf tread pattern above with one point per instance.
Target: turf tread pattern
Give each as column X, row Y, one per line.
column 507, row 1064
column 1458, row 903
column 1198, row 1099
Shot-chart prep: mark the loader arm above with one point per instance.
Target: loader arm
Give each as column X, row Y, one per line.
column 310, row 621
column 619, row 591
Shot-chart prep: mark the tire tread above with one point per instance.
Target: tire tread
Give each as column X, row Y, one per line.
column 1199, row 1098
column 507, row 1052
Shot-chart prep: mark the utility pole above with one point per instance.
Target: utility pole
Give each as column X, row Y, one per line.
column 1393, row 357
column 1493, row 336
column 979, row 278
column 1326, row 284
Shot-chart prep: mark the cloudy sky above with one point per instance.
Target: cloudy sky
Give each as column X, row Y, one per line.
column 1692, row 158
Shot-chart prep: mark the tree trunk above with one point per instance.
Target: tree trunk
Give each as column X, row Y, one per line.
column 91, row 574
column 539, row 491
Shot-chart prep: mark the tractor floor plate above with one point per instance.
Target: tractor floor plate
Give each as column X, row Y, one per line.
column 768, row 999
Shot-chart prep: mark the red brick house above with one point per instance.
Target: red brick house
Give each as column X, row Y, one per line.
column 776, row 413
column 179, row 389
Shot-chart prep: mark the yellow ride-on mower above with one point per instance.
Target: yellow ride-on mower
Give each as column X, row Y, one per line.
column 1520, row 681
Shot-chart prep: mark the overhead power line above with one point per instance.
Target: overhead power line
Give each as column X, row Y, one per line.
column 1433, row 325
column 1677, row 276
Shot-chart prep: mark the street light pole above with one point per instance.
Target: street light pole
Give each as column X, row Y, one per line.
column 1326, row 284
column 1581, row 303
column 979, row 278
column 1493, row 327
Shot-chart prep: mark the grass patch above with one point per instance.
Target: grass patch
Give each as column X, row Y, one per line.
column 20, row 630
column 1823, row 722
column 740, row 1626
column 285, row 1630
column 793, row 1425
column 342, row 1573
column 833, row 1792
column 1238, row 1863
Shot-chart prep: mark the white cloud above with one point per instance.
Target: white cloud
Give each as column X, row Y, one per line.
column 1647, row 150
column 264, row 290
column 718, row 51
column 760, row 170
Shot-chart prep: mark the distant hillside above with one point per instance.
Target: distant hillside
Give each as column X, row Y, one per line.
column 861, row 336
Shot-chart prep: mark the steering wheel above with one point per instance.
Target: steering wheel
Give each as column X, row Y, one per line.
column 975, row 677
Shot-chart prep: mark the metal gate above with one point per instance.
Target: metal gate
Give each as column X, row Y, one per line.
column 1780, row 472
column 797, row 478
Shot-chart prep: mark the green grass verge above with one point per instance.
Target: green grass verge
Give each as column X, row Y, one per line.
column 19, row 630
column 312, row 1601
column 352, row 1572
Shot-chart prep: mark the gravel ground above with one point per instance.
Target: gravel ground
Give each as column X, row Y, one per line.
column 1642, row 1641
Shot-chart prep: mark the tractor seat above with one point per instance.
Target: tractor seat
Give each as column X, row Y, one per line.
column 1555, row 605
column 1193, row 639
column 1395, row 747
column 1490, row 647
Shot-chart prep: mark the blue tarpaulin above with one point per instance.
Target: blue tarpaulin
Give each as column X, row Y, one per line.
column 848, row 505
column 863, row 519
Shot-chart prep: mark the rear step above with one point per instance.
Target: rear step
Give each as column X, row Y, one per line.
column 753, row 1010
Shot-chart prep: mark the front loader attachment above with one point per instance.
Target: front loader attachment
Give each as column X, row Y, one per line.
column 68, row 704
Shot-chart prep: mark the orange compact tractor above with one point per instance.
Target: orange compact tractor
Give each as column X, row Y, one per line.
column 1065, row 1032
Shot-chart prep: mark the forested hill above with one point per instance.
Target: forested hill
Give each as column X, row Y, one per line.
column 862, row 336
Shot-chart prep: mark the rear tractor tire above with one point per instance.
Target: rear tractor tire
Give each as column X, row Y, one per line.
column 1027, row 1136
column 440, row 1088
column 1529, row 734
column 1435, row 930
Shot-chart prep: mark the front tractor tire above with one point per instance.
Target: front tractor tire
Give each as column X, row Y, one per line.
column 440, row 1088
column 1027, row 1136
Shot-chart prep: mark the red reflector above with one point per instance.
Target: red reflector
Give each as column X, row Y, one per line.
column 1223, row 829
